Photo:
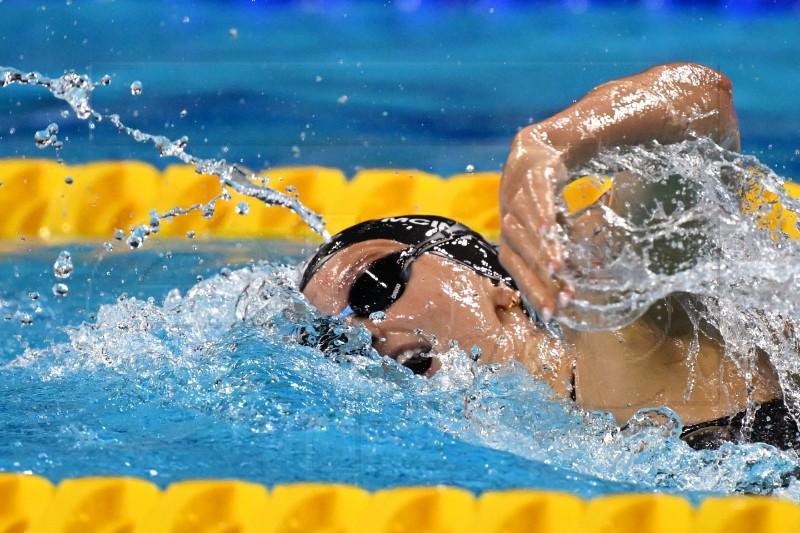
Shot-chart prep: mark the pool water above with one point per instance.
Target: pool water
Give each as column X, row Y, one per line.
column 142, row 370
column 192, row 359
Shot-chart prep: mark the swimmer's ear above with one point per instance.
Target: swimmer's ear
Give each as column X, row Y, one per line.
column 503, row 296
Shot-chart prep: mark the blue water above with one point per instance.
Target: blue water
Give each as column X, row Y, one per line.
column 436, row 88
column 187, row 359
column 142, row 370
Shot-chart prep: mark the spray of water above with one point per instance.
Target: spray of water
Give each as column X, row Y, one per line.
column 679, row 226
column 76, row 90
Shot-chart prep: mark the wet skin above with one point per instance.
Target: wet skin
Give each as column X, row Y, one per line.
column 639, row 366
column 443, row 302
column 620, row 371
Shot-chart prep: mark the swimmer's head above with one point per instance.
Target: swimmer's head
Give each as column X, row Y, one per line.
column 418, row 283
column 384, row 282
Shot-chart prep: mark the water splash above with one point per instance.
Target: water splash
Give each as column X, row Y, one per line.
column 241, row 358
column 685, row 232
column 76, row 90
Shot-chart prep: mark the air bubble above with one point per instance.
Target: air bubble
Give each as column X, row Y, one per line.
column 233, row 32
column 242, row 208
column 136, row 88
column 183, row 113
column 470, row 169
column 63, row 268
column 68, row 180
column 26, row 320
column 295, row 151
column 119, row 234
column 190, row 234
column 60, row 289
column 377, row 317
column 342, row 99
column 107, row 246
column 33, row 295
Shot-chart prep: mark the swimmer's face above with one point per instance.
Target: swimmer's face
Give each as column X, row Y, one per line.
column 443, row 301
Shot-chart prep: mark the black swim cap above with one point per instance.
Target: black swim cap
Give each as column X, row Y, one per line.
column 459, row 243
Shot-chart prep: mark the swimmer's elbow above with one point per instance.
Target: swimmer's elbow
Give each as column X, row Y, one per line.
column 697, row 75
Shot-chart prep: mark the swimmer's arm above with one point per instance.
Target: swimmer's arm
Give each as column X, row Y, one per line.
column 666, row 104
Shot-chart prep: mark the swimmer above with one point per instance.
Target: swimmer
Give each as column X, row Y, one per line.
column 434, row 281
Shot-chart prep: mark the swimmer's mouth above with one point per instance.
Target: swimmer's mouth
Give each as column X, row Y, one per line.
column 416, row 358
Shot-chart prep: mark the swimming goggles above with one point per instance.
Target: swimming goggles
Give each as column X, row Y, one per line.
column 384, row 281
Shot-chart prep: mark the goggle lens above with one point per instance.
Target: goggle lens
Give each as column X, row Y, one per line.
column 379, row 286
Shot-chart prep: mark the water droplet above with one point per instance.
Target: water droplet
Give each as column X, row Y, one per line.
column 119, row 234
column 183, row 113
column 190, row 234
column 342, row 99
column 62, row 268
column 155, row 222
column 233, row 32
column 107, row 246
column 242, row 208
column 60, row 289
column 291, row 188
column 68, row 180
column 138, row 236
column 377, row 317
column 47, row 137
column 136, row 88
column 33, row 295
column 208, row 211
column 470, row 169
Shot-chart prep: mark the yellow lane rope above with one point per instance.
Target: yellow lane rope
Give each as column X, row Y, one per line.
column 31, row 504
column 45, row 201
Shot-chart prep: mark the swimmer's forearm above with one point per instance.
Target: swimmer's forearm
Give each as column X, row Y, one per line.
column 667, row 104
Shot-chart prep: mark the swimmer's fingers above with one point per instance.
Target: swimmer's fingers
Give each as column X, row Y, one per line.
column 527, row 206
column 537, row 286
column 536, row 250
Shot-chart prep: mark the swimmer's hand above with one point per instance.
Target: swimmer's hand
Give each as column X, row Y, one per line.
column 528, row 247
